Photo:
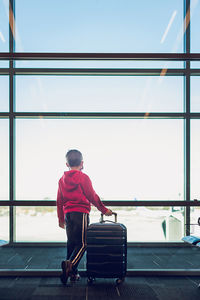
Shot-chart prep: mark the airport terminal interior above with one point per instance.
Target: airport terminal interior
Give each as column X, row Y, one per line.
column 119, row 81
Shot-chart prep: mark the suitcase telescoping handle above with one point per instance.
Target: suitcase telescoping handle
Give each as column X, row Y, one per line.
column 113, row 213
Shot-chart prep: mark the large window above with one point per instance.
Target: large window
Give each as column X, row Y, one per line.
column 67, row 81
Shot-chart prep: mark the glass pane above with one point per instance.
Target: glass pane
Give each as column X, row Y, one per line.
column 195, row 159
column 144, row 224
column 99, row 64
column 4, row 160
column 4, row 224
column 195, row 25
column 195, row 64
column 145, row 157
column 38, row 224
column 195, row 215
column 4, row 95
column 149, row 224
column 99, row 93
column 195, row 94
column 4, row 26
column 4, row 64
column 99, row 26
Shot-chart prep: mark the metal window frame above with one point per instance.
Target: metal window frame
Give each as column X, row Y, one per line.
column 186, row 72
column 187, row 110
column 12, row 210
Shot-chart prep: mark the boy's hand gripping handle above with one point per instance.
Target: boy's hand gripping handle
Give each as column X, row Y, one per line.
column 113, row 213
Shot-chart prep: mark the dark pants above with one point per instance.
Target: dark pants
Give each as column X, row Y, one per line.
column 76, row 229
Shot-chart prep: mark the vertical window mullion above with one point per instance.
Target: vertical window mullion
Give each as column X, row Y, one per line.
column 11, row 121
column 187, row 110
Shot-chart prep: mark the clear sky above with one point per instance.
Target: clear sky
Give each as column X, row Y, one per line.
column 99, row 93
column 99, row 26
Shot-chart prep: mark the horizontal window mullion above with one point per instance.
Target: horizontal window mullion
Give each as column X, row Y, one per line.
column 5, row 71
column 106, row 202
column 101, row 71
column 97, row 115
column 194, row 72
column 4, row 115
column 99, row 56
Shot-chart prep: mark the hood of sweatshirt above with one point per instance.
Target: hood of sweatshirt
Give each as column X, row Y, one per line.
column 71, row 180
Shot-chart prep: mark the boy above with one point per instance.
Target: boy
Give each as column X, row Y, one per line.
column 74, row 198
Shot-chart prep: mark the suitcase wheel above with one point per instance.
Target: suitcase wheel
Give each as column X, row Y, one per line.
column 119, row 281
column 90, row 280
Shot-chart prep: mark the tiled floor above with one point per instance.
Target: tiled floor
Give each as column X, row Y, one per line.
column 138, row 258
column 136, row 288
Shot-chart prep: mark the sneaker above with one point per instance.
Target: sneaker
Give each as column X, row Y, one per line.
column 75, row 277
column 66, row 266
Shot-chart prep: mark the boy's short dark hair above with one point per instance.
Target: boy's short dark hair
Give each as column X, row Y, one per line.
column 74, row 158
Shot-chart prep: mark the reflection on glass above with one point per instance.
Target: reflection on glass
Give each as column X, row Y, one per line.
column 144, row 224
column 99, row 93
column 195, row 159
column 195, row 95
column 4, row 95
column 127, row 159
column 4, row 224
column 4, row 160
column 4, row 26
column 99, row 26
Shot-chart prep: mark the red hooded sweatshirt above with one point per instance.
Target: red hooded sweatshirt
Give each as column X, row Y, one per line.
column 75, row 193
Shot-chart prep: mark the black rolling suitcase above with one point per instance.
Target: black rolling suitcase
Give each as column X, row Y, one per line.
column 106, row 250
